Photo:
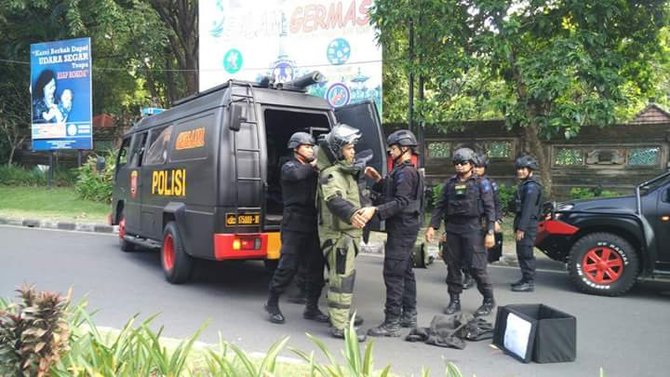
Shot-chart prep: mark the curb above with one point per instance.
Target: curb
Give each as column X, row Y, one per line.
column 60, row 225
column 374, row 247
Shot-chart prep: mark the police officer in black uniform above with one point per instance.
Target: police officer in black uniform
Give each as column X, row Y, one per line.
column 465, row 200
column 481, row 164
column 528, row 208
column 299, row 234
column 402, row 191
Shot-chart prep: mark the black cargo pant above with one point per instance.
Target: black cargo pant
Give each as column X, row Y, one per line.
column 467, row 249
column 299, row 250
column 524, row 253
column 399, row 275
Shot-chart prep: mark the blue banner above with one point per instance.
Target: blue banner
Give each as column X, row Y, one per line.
column 61, row 95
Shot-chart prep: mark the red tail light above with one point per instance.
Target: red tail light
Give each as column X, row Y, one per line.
column 247, row 243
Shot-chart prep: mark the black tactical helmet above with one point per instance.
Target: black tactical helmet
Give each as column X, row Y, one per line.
column 526, row 161
column 341, row 135
column 481, row 160
column 463, row 154
column 300, row 138
column 402, row 137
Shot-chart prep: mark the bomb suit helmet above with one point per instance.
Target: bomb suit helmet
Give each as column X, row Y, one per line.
column 341, row 135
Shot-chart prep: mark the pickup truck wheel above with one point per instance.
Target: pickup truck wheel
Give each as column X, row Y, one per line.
column 177, row 265
column 125, row 245
column 603, row 264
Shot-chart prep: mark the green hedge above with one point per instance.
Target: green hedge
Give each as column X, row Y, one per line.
column 14, row 175
column 591, row 192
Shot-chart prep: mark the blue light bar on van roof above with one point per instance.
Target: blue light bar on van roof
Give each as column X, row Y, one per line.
column 146, row 111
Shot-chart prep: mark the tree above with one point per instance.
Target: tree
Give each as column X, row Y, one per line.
column 551, row 67
column 132, row 62
column 181, row 16
column 14, row 124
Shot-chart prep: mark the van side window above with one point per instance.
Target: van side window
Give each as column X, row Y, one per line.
column 122, row 158
column 137, row 149
column 158, row 146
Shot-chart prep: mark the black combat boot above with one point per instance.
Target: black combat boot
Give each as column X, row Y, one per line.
column 487, row 307
column 390, row 327
column 272, row 307
column 454, row 305
column 408, row 319
column 313, row 313
column 526, row 286
column 517, row 283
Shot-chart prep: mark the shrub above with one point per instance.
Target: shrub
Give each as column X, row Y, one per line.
column 17, row 176
column 14, row 175
column 33, row 333
column 96, row 185
column 507, row 195
column 591, row 192
column 436, row 192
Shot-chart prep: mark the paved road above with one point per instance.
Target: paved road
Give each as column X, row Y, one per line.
column 628, row 336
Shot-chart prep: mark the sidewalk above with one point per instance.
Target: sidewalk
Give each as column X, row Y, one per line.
column 62, row 225
column 375, row 245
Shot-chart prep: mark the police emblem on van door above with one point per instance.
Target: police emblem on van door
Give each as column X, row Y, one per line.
column 133, row 184
column 171, row 182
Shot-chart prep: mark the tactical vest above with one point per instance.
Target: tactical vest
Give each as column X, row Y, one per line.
column 521, row 194
column 464, row 198
column 416, row 206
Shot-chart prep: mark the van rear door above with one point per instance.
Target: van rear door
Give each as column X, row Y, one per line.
column 365, row 117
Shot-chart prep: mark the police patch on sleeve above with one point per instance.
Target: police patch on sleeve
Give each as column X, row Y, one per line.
column 486, row 185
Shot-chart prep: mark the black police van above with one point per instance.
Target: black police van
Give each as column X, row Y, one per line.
column 201, row 180
column 610, row 244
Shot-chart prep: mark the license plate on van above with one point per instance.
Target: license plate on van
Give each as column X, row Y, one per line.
column 243, row 219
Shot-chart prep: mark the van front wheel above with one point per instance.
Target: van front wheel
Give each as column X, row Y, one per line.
column 177, row 265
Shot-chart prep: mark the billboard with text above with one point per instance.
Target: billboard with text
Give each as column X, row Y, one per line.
column 284, row 39
column 61, row 94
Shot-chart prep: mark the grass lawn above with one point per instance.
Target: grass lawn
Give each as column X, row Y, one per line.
column 58, row 203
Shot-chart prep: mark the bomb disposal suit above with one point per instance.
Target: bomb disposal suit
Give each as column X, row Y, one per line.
column 339, row 199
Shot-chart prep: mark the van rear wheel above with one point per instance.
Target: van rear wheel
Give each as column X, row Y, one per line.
column 177, row 265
